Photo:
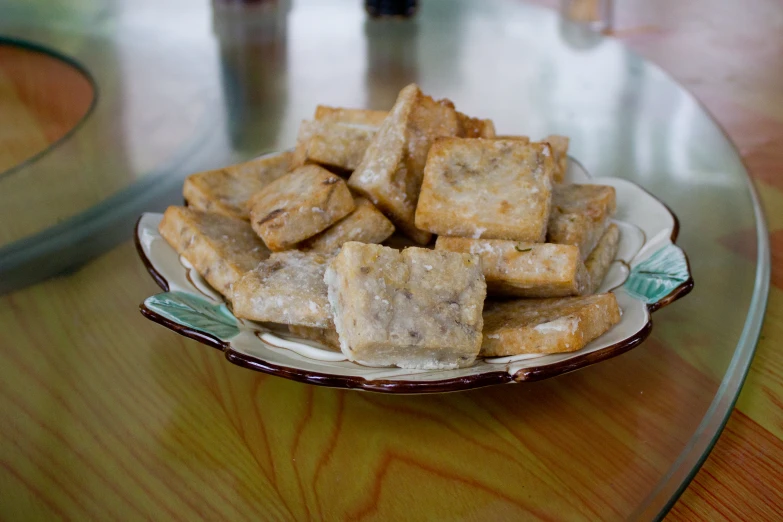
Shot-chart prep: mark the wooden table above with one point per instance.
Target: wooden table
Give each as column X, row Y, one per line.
column 120, row 419
column 731, row 57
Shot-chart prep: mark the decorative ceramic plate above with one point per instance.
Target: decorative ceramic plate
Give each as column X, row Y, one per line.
column 649, row 272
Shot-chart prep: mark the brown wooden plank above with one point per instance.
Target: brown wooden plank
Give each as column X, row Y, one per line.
column 740, row 480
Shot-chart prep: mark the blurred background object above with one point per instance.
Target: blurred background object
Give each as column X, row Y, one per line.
column 595, row 14
column 392, row 58
column 378, row 8
column 252, row 37
column 583, row 23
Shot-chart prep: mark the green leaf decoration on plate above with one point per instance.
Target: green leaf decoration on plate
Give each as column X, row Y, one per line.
column 195, row 312
column 656, row 277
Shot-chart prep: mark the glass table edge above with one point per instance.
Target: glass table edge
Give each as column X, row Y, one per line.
column 52, row 52
column 680, row 475
column 97, row 229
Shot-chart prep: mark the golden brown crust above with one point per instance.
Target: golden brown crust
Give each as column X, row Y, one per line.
column 299, row 205
column 226, row 191
column 391, row 171
column 546, row 325
column 325, row 119
column 220, row 248
column 514, row 268
column 331, row 144
column 600, row 259
column 559, row 146
column 580, row 215
column 525, row 139
column 475, row 127
column 365, row 224
column 368, row 117
column 299, row 156
column 496, row 189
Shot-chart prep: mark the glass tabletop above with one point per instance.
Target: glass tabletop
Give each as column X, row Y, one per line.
column 181, row 86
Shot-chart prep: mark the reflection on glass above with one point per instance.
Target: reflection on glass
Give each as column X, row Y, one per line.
column 253, row 48
column 392, row 59
column 595, row 14
column 583, row 21
column 379, row 8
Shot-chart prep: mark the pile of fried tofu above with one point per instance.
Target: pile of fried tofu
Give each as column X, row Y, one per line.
column 297, row 238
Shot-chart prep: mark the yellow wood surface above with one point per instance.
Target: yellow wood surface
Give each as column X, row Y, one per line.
column 35, row 113
column 730, row 55
column 108, row 416
column 112, row 416
column 42, row 98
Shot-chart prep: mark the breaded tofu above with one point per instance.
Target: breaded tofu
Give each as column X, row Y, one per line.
column 545, row 326
column 494, row 189
column 474, row 127
column 365, row 224
column 226, row 191
column 326, row 336
column 327, row 139
column 391, row 171
column 559, row 146
column 306, row 130
column 340, row 146
column 513, row 268
column 299, row 205
column 219, row 247
column 371, row 118
column 580, row 215
column 600, row 259
column 287, row 288
column 418, row 308
column 525, row 139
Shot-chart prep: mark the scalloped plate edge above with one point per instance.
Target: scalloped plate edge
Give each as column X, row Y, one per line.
column 473, row 381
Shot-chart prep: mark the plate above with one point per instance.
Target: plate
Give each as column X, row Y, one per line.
column 649, row 272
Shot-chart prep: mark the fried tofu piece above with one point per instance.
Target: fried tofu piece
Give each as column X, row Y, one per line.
column 525, row 139
column 513, row 268
column 227, row 191
column 366, row 117
column 559, row 146
column 417, row 308
column 600, row 259
column 219, row 247
column 365, row 224
column 332, row 144
column 337, row 137
column 299, row 205
column 326, row 336
column 391, row 171
column 545, row 326
column 580, row 215
column 495, row 189
column 306, row 131
column 474, row 127
column 287, row 288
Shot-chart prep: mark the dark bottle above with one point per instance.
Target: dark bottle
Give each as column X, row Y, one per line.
column 380, row 8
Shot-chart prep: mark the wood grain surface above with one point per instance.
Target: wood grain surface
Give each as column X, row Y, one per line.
column 110, row 417
column 730, row 55
column 41, row 99
column 133, row 422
